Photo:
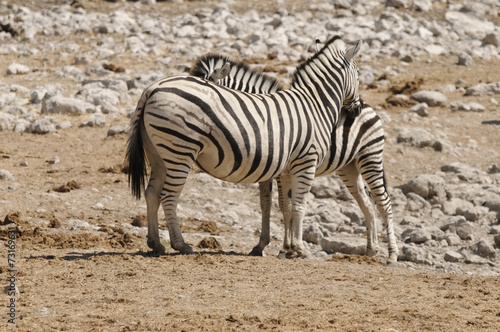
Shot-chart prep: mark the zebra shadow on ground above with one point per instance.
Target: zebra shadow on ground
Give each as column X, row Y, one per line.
column 491, row 122
column 74, row 255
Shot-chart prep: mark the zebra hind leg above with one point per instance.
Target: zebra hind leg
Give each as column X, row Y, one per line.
column 374, row 177
column 175, row 179
column 384, row 206
column 354, row 183
column 285, row 204
column 266, row 189
column 152, row 194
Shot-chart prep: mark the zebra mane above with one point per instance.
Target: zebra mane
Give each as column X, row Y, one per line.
column 306, row 63
column 213, row 61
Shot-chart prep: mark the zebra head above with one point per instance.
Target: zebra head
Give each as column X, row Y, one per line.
column 333, row 75
column 212, row 67
column 352, row 102
column 220, row 73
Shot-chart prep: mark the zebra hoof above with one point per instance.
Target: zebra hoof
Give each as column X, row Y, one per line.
column 256, row 252
column 282, row 254
column 392, row 264
column 186, row 250
column 159, row 250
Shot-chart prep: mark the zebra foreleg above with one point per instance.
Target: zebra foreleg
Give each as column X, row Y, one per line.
column 285, row 204
column 266, row 189
column 354, row 183
column 300, row 186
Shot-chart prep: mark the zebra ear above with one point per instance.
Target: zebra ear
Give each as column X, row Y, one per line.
column 354, row 51
column 317, row 45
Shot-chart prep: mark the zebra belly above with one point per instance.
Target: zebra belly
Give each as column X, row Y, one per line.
column 208, row 161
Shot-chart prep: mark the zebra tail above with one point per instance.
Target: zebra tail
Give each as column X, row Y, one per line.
column 135, row 156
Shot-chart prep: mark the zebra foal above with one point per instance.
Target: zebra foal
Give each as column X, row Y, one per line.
column 239, row 137
column 355, row 153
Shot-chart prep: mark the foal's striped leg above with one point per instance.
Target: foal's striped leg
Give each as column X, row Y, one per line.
column 354, row 183
column 374, row 176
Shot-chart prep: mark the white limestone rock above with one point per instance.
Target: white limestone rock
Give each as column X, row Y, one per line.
column 482, row 89
column 431, row 98
column 42, row 126
column 465, row 59
column 62, row 105
column 465, row 24
column 453, row 257
column 483, row 248
column 428, row 186
column 414, row 136
column 350, row 246
column 415, row 254
column 416, row 235
column 466, row 107
column 492, row 39
column 6, row 175
column 421, row 109
column 17, row 69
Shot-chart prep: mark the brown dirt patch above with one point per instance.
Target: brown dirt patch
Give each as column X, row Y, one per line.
column 12, row 218
column 66, row 188
column 140, row 221
column 357, row 259
column 209, row 243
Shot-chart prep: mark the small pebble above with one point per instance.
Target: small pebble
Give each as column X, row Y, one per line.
column 54, row 160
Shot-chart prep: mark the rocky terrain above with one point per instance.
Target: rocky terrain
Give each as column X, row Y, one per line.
column 72, row 72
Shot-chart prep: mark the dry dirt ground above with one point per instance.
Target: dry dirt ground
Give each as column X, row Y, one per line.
column 74, row 281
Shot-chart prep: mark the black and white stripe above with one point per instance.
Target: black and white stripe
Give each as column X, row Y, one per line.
column 240, row 137
column 356, row 152
column 237, row 75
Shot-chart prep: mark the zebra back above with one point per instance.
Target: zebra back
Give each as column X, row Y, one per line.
column 239, row 75
column 355, row 135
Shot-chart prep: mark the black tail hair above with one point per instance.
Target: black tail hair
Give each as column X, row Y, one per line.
column 135, row 156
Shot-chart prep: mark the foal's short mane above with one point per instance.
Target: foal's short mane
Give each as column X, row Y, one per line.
column 200, row 71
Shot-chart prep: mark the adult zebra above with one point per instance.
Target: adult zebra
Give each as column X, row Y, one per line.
column 239, row 137
column 356, row 151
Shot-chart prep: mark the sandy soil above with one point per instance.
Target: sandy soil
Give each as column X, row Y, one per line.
column 128, row 291
column 106, row 281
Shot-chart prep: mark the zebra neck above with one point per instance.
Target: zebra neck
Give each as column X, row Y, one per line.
column 323, row 80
